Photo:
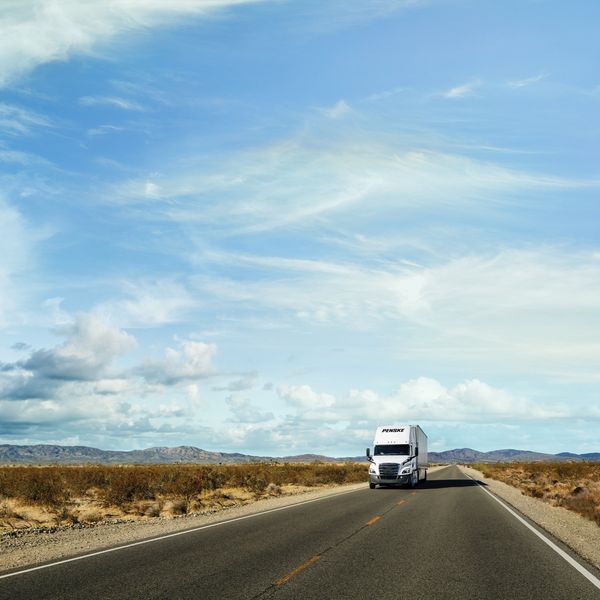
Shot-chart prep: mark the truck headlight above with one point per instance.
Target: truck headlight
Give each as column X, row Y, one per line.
column 373, row 470
column 406, row 470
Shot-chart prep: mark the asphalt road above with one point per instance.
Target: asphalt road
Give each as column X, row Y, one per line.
column 447, row 539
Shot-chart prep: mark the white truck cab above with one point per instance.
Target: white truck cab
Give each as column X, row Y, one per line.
column 399, row 456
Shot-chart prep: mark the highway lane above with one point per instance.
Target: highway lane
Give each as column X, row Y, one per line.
column 447, row 539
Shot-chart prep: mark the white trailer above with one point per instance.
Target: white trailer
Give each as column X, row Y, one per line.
column 399, row 456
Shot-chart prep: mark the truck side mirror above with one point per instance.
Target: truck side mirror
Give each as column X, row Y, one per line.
column 368, row 452
column 416, row 450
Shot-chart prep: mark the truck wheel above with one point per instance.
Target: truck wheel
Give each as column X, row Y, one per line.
column 414, row 480
column 372, row 485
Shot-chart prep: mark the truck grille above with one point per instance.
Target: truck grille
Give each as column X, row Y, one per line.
column 388, row 470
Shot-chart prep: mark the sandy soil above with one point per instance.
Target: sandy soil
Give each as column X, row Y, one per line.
column 580, row 534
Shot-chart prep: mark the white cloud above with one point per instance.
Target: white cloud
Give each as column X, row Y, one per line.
column 148, row 303
column 460, row 91
column 305, row 181
column 338, row 110
column 385, row 94
column 424, row 399
column 90, row 348
column 34, row 32
column 303, row 396
column 105, row 129
column 192, row 361
column 519, row 83
column 110, row 101
column 527, row 308
column 15, row 120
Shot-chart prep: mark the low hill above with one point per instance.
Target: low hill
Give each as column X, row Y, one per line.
column 55, row 454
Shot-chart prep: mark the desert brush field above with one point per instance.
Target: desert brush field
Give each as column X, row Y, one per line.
column 572, row 485
column 52, row 496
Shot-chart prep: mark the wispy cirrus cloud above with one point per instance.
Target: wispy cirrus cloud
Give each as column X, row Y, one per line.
column 465, row 89
column 15, row 120
column 35, row 32
column 148, row 303
column 337, row 111
column 115, row 101
column 519, row 83
column 303, row 180
column 470, row 305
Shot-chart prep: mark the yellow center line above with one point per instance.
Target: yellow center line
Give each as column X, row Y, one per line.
column 413, row 493
column 297, row 570
column 373, row 520
column 402, row 502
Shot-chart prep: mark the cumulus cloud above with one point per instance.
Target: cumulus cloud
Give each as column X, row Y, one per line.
column 90, row 348
column 304, row 397
column 422, row 399
column 79, row 386
column 34, row 32
column 192, row 361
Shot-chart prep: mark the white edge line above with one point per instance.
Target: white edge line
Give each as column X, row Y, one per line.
column 589, row 576
column 170, row 535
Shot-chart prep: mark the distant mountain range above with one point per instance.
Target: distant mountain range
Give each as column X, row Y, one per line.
column 53, row 454
column 468, row 455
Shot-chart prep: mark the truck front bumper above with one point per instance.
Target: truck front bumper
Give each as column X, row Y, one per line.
column 399, row 480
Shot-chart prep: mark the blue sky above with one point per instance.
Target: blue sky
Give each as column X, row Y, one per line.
column 270, row 226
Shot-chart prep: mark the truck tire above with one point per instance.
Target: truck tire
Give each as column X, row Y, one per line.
column 414, row 480
column 372, row 485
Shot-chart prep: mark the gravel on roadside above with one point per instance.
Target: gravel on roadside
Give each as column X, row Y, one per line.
column 578, row 533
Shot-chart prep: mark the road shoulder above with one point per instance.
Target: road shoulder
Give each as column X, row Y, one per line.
column 579, row 534
column 35, row 547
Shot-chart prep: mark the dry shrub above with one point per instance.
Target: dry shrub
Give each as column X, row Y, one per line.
column 273, row 489
column 37, row 485
column 68, row 491
column 153, row 510
column 572, row 485
column 90, row 515
column 178, row 507
column 66, row 515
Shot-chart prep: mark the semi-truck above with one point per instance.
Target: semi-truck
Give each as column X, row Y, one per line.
column 399, row 456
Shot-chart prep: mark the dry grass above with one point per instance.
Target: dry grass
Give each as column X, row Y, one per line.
column 575, row 486
column 55, row 495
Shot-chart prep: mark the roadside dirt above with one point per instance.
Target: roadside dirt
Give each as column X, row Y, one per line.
column 578, row 533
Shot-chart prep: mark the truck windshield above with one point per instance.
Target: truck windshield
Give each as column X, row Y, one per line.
column 396, row 449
